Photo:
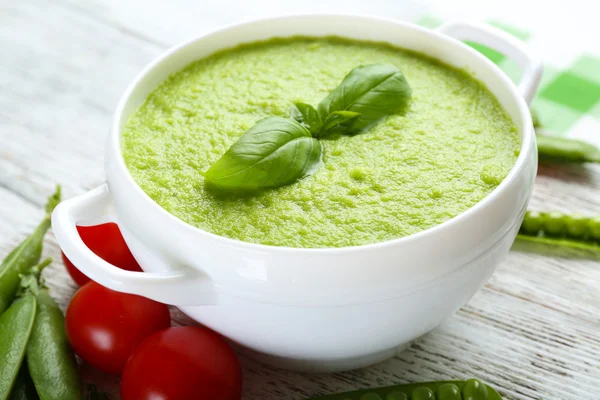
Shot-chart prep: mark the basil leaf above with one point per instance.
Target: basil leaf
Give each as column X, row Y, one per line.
column 374, row 91
column 306, row 115
column 335, row 119
column 275, row 152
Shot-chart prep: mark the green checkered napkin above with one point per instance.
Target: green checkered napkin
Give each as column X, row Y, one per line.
column 567, row 102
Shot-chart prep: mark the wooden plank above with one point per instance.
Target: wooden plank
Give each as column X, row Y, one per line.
column 533, row 331
column 569, row 286
column 153, row 19
column 56, row 101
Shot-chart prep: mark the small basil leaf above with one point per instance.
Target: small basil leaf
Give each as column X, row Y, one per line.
column 296, row 115
column 275, row 152
column 306, row 115
column 335, row 119
column 375, row 91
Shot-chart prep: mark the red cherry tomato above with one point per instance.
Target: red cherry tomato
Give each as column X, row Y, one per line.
column 184, row 363
column 106, row 241
column 104, row 326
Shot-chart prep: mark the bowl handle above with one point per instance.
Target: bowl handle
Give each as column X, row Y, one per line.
column 176, row 288
column 504, row 43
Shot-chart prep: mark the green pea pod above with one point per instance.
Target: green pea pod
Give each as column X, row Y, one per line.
column 23, row 388
column 16, row 324
column 563, row 150
column 370, row 396
column 573, row 231
column 50, row 360
column 396, row 396
column 471, row 389
column 25, row 256
column 561, row 242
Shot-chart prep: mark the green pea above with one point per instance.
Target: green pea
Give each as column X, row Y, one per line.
column 396, row 396
column 576, row 225
column 594, row 228
column 474, row 390
column 448, row 391
column 370, row 396
column 533, row 222
column 422, row 393
column 16, row 324
column 555, row 224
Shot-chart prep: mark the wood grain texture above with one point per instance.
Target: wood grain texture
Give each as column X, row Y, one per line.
column 533, row 331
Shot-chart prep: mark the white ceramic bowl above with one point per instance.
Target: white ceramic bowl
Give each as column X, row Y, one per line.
column 314, row 309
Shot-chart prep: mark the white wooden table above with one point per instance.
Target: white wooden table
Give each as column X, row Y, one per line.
column 533, row 331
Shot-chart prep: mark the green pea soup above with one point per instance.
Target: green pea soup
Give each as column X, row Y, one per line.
column 447, row 150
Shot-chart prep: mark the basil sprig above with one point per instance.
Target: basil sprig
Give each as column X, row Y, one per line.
column 278, row 151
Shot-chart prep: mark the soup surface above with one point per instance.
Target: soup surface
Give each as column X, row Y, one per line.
column 446, row 151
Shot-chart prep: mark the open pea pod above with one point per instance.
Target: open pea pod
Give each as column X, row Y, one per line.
column 574, row 231
column 554, row 149
column 471, row 389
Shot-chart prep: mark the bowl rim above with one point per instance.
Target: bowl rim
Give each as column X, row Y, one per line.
column 527, row 140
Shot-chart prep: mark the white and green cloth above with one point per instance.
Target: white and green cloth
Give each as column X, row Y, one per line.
column 568, row 99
